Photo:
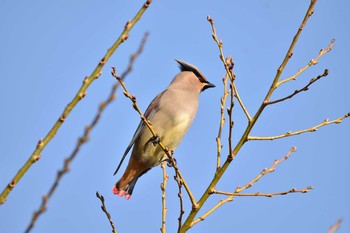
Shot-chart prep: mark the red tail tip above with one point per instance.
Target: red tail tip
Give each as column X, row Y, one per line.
column 115, row 190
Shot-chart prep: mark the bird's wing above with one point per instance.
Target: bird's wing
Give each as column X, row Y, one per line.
column 152, row 108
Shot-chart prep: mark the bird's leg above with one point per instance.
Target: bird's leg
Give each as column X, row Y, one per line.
column 155, row 140
column 170, row 161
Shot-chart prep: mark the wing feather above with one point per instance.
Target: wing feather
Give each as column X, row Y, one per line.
column 151, row 109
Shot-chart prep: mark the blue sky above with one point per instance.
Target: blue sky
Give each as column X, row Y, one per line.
column 48, row 48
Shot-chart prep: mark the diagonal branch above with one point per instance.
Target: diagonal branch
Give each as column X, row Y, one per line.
column 312, row 129
column 35, row 156
column 311, row 63
column 266, row 171
column 167, row 151
column 104, row 209
column 335, row 226
column 313, row 80
column 231, row 195
column 84, row 138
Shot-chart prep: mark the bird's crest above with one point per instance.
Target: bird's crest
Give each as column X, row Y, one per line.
column 184, row 66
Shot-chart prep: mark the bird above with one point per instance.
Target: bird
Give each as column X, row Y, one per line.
column 171, row 113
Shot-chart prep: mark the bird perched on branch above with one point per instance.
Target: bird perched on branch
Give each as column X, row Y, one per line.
column 171, row 113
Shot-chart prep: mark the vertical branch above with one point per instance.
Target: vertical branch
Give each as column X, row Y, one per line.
column 230, row 64
column 182, row 211
column 163, row 188
column 222, row 122
column 35, row 156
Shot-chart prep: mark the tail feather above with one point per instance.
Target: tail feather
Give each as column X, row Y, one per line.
column 126, row 186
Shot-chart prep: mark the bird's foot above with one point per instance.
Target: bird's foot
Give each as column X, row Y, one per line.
column 170, row 162
column 155, row 140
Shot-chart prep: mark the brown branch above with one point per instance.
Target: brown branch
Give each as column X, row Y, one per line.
column 230, row 108
column 265, row 171
column 259, row 194
column 228, row 67
column 305, row 88
column 166, row 150
column 182, row 211
column 85, row 137
column 222, row 122
column 311, row 63
column 35, row 156
column 104, row 209
column 312, row 129
column 335, row 226
column 231, row 195
column 163, row 188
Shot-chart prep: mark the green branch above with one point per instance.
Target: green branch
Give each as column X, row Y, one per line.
column 35, row 156
column 189, row 221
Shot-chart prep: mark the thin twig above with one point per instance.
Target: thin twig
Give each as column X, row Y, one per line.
column 311, row 63
column 259, row 194
column 182, row 211
column 228, row 67
column 335, row 226
column 35, row 156
column 85, row 137
column 231, row 195
column 265, row 171
column 312, row 129
column 222, row 122
column 166, row 150
column 206, row 214
column 305, row 88
column 104, row 209
column 163, row 188
column 230, row 108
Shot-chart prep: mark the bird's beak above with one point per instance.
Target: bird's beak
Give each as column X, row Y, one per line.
column 208, row 85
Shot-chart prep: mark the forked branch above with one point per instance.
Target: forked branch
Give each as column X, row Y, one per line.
column 35, row 156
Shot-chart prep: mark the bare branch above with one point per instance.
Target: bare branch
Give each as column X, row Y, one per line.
column 84, row 138
column 335, row 226
column 163, row 188
column 206, row 214
column 35, row 156
column 222, row 122
column 251, row 121
column 228, row 64
column 313, row 80
column 182, row 211
column 259, row 194
column 312, row 129
column 104, row 209
column 311, row 63
column 266, row 171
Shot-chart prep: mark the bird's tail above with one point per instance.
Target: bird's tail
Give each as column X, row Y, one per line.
column 125, row 186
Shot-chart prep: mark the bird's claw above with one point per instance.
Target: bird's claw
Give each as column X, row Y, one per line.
column 155, row 140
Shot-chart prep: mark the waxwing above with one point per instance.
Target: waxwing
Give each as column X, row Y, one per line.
column 171, row 113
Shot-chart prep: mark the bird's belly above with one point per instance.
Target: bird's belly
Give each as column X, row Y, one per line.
column 171, row 134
